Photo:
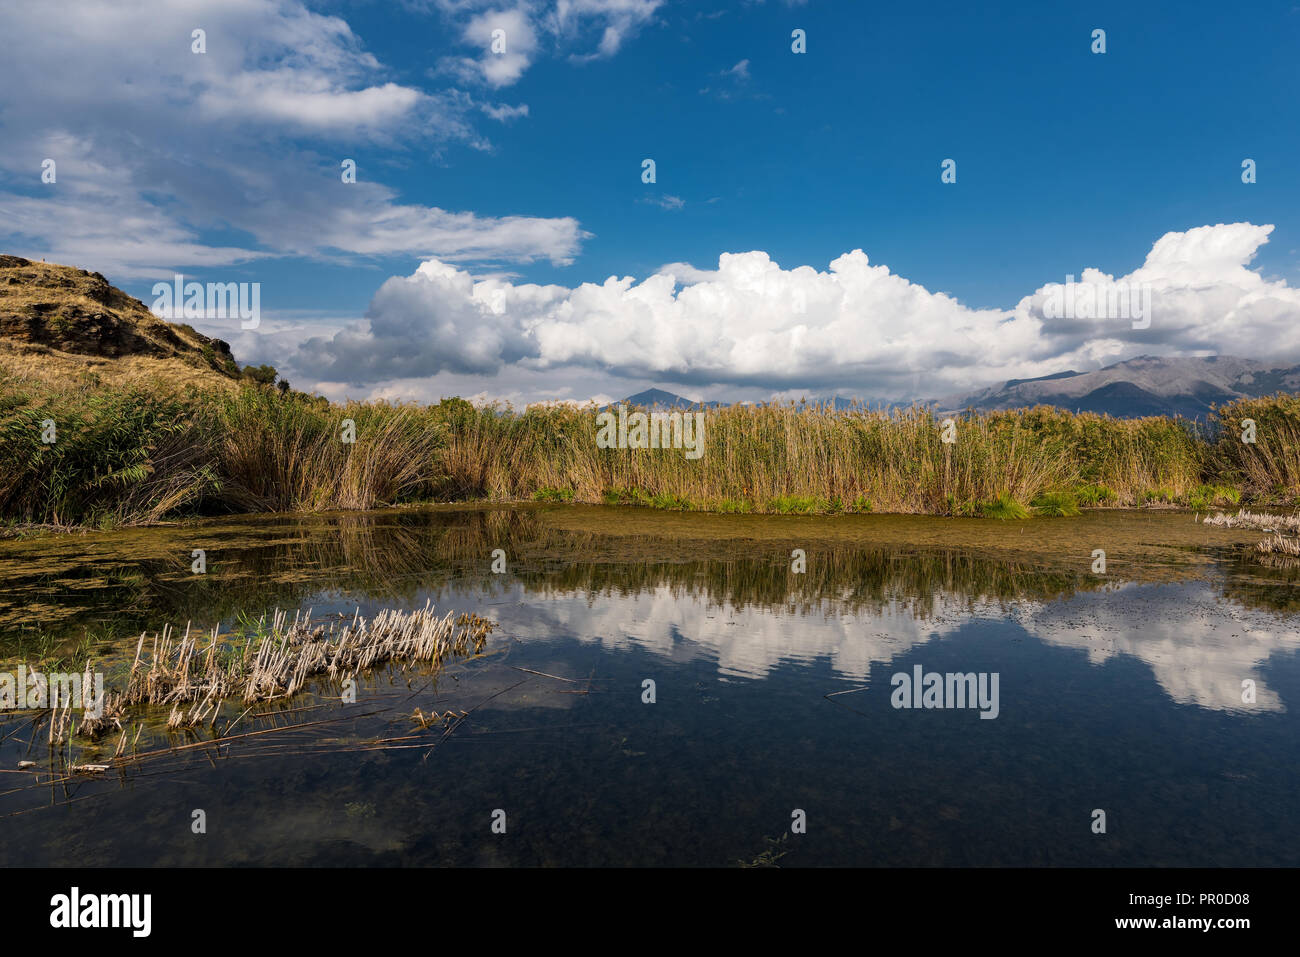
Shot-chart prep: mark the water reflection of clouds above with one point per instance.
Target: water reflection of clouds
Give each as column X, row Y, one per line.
column 1198, row 647
column 746, row 642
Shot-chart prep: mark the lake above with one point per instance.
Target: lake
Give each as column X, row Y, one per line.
column 667, row 689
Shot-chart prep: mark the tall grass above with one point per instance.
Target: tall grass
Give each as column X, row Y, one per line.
column 1267, row 469
column 137, row 454
column 287, row 453
column 100, row 457
column 782, row 458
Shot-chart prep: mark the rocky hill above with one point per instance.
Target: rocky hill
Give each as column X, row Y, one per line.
column 61, row 324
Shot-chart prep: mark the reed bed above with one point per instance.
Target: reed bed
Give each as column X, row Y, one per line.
column 782, row 458
column 1267, row 469
column 136, row 454
column 288, row 453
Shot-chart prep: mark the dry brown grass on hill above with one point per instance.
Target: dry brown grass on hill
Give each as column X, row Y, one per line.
column 66, row 326
column 22, row 364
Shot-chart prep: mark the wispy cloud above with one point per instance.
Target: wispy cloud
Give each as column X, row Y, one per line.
column 159, row 148
column 664, row 201
column 740, row 71
column 507, row 40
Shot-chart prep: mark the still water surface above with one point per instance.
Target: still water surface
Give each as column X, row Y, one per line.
column 1120, row 692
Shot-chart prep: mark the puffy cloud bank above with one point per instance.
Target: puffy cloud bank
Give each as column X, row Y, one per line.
column 854, row 326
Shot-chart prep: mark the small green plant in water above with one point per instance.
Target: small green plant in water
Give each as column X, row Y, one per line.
column 667, row 500
column 553, row 495
column 1092, row 495
column 1004, row 507
column 733, row 506
column 1055, row 503
column 797, row 505
column 1208, row 496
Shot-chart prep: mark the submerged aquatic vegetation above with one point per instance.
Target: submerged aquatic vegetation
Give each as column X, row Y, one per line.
column 775, row 850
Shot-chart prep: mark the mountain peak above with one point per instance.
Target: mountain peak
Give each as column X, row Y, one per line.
column 660, row 398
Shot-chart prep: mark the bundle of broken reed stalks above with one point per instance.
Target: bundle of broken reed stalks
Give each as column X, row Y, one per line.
column 1279, row 545
column 176, row 671
column 1279, row 549
column 1262, row 521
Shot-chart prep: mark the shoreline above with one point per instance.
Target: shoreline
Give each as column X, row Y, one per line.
column 27, row 531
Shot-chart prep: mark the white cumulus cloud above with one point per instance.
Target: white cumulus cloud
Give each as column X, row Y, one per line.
column 856, row 325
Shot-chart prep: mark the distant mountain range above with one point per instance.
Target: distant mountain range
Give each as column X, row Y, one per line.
column 1147, row 385
column 661, row 399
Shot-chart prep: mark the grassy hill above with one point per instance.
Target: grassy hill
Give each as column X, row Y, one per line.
column 63, row 325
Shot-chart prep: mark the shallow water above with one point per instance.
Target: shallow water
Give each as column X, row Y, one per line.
column 1120, row 692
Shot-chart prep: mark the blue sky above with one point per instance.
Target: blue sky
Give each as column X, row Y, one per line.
column 225, row 167
column 1092, row 156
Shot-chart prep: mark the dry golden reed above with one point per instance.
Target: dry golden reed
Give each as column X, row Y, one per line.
column 132, row 454
column 195, row 674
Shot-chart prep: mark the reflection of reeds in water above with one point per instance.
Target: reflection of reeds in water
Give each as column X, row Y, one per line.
column 852, row 579
column 391, row 556
column 187, row 670
column 745, row 574
column 401, row 557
